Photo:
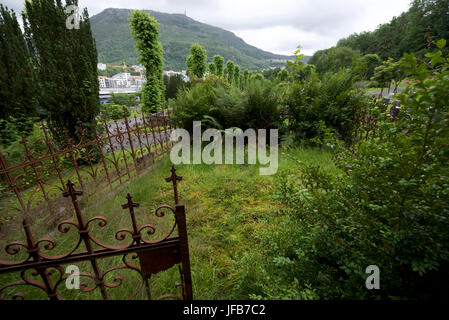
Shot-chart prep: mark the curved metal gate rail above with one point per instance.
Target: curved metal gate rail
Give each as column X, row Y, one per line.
column 154, row 256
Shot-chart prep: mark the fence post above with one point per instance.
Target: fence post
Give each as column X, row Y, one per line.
column 98, row 144
column 84, row 234
column 184, row 248
column 52, row 152
column 12, row 183
column 119, row 139
column 174, row 179
column 128, row 131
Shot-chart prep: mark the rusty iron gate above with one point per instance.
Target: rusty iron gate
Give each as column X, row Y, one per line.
column 115, row 152
column 153, row 256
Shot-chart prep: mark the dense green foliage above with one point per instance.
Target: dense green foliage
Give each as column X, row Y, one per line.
column 333, row 59
column 114, row 111
column 124, row 99
column 18, row 102
column 219, row 65
column 331, row 101
column 145, row 30
column 388, row 207
column 173, row 84
column 229, row 72
column 66, row 66
column 220, row 105
column 410, row 32
column 178, row 32
column 196, row 61
column 211, row 67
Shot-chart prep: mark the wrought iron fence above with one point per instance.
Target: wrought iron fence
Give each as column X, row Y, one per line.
column 31, row 182
column 39, row 269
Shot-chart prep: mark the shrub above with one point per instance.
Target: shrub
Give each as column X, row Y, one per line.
column 331, row 100
column 192, row 104
column 114, row 111
column 388, row 207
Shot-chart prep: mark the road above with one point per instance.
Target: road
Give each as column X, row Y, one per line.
column 385, row 93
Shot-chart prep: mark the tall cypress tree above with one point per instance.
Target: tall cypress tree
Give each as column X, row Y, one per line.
column 66, row 62
column 17, row 82
column 230, row 71
column 145, row 30
column 236, row 75
column 219, row 64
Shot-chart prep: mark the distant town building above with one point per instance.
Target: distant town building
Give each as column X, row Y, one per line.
column 104, row 82
column 121, row 81
column 183, row 73
column 101, row 66
column 138, row 68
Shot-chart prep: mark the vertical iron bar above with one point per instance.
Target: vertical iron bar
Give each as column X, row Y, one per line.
column 154, row 135
column 159, row 131
column 120, row 141
column 184, row 250
column 84, row 234
column 52, row 153
column 100, row 149
column 75, row 164
column 12, row 183
column 128, row 131
column 111, row 145
column 146, row 133
column 36, row 174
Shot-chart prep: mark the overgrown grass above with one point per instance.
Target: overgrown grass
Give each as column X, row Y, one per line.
column 228, row 208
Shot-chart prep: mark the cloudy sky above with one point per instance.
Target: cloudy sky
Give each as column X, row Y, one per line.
column 278, row 26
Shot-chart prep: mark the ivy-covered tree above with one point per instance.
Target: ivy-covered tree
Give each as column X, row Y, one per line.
column 145, row 30
column 17, row 81
column 245, row 78
column 236, row 74
column 196, row 61
column 219, row 64
column 66, row 65
column 230, row 71
column 212, row 68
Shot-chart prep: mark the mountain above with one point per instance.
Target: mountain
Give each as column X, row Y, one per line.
column 178, row 32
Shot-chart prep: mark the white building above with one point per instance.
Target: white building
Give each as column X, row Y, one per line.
column 183, row 73
column 104, row 82
column 101, row 66
column 121, row 80
column 138, row 68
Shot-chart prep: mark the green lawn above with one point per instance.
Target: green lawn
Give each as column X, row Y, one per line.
column 229, row 208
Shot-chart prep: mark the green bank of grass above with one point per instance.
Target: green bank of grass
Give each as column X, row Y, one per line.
column 229, row 209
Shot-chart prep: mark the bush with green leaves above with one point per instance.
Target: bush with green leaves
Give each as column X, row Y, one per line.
column 192, row 104
column 114, row 111
column 331, row 99
column 388, row 206
column 222, row 105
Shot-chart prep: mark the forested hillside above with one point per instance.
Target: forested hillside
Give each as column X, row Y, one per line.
column 178, row 32
column 410, row 32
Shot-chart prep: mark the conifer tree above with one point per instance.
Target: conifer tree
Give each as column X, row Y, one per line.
column 66, row 63
column 145, row 30
column 17, row 81
column 196, row 61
